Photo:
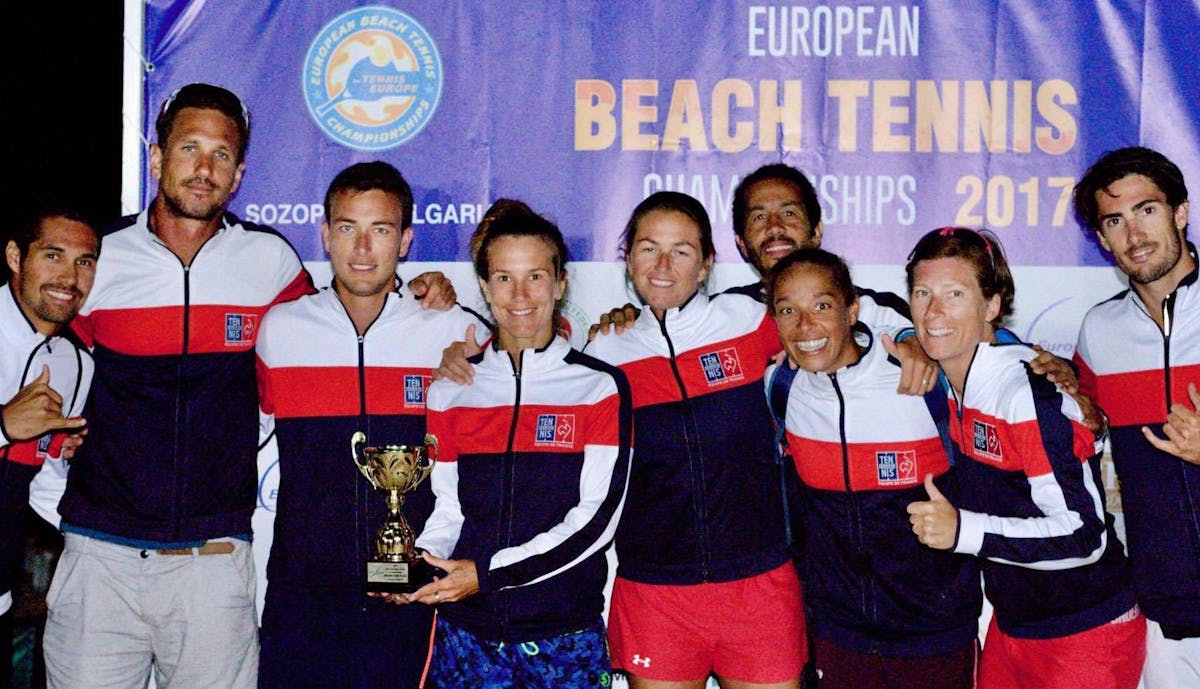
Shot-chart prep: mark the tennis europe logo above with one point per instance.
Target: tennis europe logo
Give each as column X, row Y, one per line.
column 372, row 78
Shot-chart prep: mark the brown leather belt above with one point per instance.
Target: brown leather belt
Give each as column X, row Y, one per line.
column 209, row 548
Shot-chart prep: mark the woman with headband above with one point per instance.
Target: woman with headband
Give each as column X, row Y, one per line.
column 1031, row 502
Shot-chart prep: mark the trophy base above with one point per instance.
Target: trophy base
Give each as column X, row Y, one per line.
column 384, row 576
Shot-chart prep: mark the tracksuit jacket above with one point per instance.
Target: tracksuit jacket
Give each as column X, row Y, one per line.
column 531, row 477
column 1135, row 371
column 23, row 352
column 882, row 312
column 704, row 499
column 1031, row 502
column 319, row 382
column 862, row 452
column 172, row 437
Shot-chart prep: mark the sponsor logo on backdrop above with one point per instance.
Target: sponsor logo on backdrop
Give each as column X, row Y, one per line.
column 572, row 324
column 268, row 487
column 1044, row 328
column 372, row 78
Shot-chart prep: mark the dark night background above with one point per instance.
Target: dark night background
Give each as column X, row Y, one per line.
column 65, row 106
column 64, row 141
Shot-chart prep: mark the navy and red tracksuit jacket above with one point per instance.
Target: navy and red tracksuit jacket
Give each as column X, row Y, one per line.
column 882, row 312
column 533, row 464
column 319, row 382
column 862, row 451
column 704, row 499
column 23, row 353
column 1031, row 502
column 173, row 415
column 1135, row 371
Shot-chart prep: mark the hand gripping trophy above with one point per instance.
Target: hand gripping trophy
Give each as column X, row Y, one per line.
column 397, row 469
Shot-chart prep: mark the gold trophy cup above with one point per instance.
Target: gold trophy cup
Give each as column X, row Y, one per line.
column 397, row 469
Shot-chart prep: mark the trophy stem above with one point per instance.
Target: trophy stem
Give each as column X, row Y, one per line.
column 394, row 541
column 395, row 500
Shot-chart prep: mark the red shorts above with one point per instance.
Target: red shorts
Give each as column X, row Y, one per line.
column 843, row 668
column 750, row 630
column 1106, row 657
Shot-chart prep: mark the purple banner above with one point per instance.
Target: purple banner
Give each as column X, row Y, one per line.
column 907, row 116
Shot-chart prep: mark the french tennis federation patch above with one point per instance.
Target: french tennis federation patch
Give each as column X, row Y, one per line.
column 722, row 366
column 240, row 328
column 414, row 390
column 896, row 468
column 555, row 430
column 986, row 441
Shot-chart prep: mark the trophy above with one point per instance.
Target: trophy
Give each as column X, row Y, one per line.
column 397, row 469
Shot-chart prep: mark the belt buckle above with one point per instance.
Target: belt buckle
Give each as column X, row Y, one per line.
column 208, row 548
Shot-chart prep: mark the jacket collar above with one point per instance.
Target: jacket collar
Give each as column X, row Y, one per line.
column 692, row 313
column 533, row 361
column 13, row 322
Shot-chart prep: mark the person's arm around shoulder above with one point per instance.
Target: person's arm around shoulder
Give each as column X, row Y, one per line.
column 616, row 321
column 455, row 365
column 433, row 290
column 918, row 373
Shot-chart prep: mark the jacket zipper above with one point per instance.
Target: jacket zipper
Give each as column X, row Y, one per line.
column 691, row 436
column 180, row 441
column 362, row 489
column 180, row 376
column 1168, row 311
column 855, row 516
column 508, row 472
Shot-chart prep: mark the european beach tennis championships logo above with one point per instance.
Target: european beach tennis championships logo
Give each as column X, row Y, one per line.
column 372, row 78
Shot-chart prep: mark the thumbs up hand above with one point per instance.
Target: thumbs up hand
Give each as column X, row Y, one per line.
column 934, row 521
column 454, row 365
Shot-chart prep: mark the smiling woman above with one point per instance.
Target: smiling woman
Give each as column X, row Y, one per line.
column 533, row 462
column 1031, row 502
column 884, row 609
column 521, row 265
column 695, row 587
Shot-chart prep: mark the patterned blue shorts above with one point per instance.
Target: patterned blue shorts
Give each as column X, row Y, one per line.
column 575, row 660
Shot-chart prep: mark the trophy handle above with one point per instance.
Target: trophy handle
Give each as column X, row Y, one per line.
column 431, row 450
column 357, row 441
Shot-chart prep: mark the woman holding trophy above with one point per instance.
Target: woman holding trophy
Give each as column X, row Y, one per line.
column 532, row 466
